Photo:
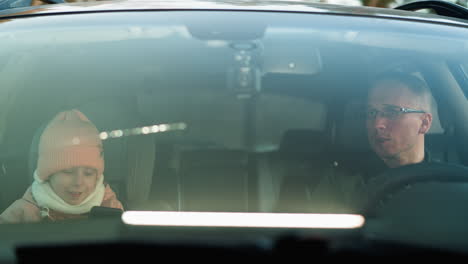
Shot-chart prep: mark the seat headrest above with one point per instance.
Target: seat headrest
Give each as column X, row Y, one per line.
column 304, row 141
column 213, row 158
column 352, row 132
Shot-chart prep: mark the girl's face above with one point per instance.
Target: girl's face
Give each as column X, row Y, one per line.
column 74, row 185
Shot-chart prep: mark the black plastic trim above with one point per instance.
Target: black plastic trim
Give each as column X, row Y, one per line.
column 442, row 8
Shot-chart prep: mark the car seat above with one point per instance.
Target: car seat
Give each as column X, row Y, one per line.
column 304, row 158
column 214, row 180
column 128, row 160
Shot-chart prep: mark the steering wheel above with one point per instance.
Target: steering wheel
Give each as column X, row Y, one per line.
column 389, row 183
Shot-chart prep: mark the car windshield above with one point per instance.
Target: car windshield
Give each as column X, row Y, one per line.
column 216, row 111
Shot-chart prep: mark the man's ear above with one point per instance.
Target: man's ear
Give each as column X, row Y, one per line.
column 426, row 123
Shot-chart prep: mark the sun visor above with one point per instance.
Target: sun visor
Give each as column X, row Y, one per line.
column 226, row 28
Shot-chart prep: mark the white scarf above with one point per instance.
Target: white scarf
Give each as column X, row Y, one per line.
column 47, row 198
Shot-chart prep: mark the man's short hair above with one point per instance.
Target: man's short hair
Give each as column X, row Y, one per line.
column 415, row 84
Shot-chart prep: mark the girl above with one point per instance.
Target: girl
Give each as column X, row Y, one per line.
column 69, row 178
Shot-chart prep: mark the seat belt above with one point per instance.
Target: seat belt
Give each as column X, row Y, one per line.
column 141, row 155
column 451, row 149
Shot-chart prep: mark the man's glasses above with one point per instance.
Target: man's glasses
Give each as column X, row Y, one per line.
column 390, row 112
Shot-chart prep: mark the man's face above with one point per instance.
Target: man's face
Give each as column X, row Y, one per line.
column 391, row 133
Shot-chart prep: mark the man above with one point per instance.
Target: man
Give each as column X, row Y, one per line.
column 398, row 117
